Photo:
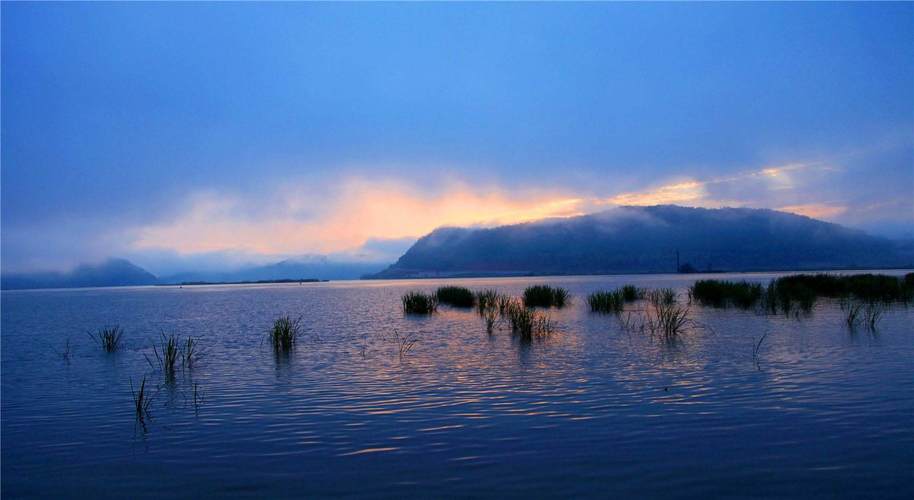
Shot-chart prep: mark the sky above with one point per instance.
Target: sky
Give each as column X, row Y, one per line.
column 213, row 135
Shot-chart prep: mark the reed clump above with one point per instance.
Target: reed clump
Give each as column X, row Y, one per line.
column 667, row 319
column 718, row 293
column 109, row 338
column 800, row 291
column 631, row 293
column 545, row 296
column 456, row 296
column 665, row 296
column 528, row 323
column 419, row 303
column 863, row 313
column 166, row 354
column 285, row 332
column 607, row 302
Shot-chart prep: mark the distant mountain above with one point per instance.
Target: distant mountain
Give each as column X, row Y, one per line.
column 312, row 267
column 112, row 272
column 647, row 239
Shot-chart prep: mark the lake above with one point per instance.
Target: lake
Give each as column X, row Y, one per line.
column 591, row 411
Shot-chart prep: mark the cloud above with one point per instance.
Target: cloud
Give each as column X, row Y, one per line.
column 816, row 210
column 341, row 217
column 750, row 188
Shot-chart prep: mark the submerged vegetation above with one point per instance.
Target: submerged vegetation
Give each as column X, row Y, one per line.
column 109, row 338
column 285, row 332
column 456, row 296
column 419, row 303
column 545, row 296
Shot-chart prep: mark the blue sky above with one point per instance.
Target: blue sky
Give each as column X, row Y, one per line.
column 212, row 134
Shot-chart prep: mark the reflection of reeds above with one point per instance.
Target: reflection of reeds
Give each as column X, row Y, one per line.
column 419, row 303
column 545, row 296
column 109, row 338
column 456, row 296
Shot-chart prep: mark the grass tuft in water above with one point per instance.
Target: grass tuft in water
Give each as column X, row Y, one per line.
column 486, row 299
column 456, row 296
column 141, row 400
column 717, row 293
column 800, row 291
column 109, row 338
column 166, row 354
column 664, row 296
column 190, row 353
column 419, row 303
column 404, row 343
column 667, row 319
column 285, row 332
column 545, row 296
column 631, row 293
column 607, row 302
column 528, row 323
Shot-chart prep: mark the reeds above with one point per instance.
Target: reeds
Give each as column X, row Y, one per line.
column 631, row 293
column 866, row 313
column 802, row 290
column 419, row 303
column 545, row 296
column 456, row 296
column 667, row 320
column 141, row 400
column 109, row 338
column 404, row 343
column 285, row 332
column 717, row 293
column 166, row 354
column 486, row 299
column 190, row 352
column 607, row 302
column 664, row 296
column 528, row 323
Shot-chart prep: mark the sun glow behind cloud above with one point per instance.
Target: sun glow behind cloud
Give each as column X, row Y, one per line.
column 309, row 217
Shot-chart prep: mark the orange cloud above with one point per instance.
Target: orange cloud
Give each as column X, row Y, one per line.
column 360, row 210
column 816, row 210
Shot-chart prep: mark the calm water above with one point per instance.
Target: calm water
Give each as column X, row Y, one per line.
column 592, row 411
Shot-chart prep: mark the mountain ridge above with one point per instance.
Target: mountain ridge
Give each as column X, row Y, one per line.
column 634, row 239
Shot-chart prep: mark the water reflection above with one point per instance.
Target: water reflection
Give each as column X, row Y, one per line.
column 596, row 408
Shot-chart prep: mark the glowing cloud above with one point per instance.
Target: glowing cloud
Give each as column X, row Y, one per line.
column 816, row 210
column 342, row 217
